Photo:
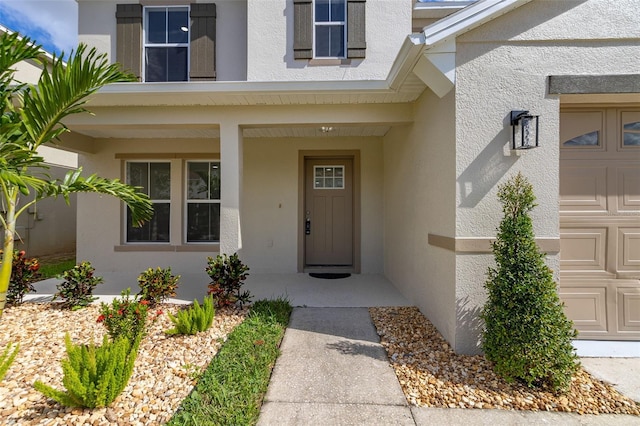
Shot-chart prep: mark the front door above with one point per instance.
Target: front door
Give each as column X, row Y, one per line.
column 328, row 212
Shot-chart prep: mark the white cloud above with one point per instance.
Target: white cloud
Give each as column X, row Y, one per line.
column 53, row 23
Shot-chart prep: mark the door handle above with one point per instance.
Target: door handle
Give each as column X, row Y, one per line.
column 307, row 227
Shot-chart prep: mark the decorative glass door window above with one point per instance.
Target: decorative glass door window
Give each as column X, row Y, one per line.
column 631, row 134
column 330, row 28
column 203, row 201
column 328, row 177
column 588, row 139
column 166, row 43
column 154, row 179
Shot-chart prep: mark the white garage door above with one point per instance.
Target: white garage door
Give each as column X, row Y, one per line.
column 600, row 221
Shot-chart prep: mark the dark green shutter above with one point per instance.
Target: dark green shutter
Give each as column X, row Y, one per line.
column 302, row 29
column 129, row 37
column 202, row 64
column 356, row 32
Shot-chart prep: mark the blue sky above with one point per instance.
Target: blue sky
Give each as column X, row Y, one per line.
column 51, row 23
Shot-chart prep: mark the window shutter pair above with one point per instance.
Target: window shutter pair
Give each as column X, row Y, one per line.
column 303, row 29
column 202, row 42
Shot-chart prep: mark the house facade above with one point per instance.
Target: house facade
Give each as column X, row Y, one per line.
column 370, row 137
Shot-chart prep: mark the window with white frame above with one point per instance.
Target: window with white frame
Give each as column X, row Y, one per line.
column 330, row 28
column 203, row 201
column 154, row 179
column 166, row 43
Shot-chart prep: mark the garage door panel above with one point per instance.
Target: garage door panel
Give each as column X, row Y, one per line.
column 582, row 130
column 629, row 249
column 628, row 301
column 583, row 249
column 628, row 189
column 586, row 307
column 583, row 189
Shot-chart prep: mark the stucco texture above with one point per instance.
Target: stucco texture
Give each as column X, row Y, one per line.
column 503, row 66
column 419, row 199
column 270, row 42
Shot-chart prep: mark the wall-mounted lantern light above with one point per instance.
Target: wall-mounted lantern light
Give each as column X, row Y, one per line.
column 525, row 130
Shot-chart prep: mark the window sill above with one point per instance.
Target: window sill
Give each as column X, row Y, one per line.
column 200, row 248
column 328, row 62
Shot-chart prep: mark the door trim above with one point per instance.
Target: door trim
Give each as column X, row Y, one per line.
column 330, row 154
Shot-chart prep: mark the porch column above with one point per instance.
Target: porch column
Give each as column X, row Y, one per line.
column 231, row 177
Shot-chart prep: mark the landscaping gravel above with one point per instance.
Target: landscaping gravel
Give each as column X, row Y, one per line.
column 164, row 373
column 432, row 375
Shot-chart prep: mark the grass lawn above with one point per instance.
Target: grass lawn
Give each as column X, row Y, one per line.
column 51, row 269
column 231, row 389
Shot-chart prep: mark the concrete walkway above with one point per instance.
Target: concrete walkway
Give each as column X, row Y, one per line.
column 333, row 371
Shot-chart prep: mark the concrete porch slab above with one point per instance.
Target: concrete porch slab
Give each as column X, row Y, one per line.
column 358, row 290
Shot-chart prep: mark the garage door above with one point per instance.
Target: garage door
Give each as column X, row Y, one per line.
column 600, row 221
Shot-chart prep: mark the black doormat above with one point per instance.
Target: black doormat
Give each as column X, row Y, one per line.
column 329, row 276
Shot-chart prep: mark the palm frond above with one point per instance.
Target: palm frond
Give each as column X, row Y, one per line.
column 139, row 203
column 63, row 90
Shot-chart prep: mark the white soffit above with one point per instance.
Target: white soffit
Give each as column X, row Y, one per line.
column 438, row 9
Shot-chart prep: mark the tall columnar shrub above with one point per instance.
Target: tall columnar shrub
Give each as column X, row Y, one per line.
column 527, row 335
column 77, row 286
column 157, row 285
column 94, row 376
column 227, row 274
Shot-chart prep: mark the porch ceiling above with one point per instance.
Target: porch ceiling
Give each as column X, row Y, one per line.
column 253, row 132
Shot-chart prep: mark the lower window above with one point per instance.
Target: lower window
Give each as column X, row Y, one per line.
column 203, row 201
column 200, row 217
column 154, row 179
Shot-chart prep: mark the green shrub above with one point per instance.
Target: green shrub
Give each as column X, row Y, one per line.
column 228, row 274
column 527, row 335
column 6, row 359
column 94, row 376
column 125, row 316
column 23, row 273
column 157, row 285
column 194, row 319
column 77, row 287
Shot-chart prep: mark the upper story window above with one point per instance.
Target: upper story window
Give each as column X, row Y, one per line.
column 330, row 28
column 166, row 43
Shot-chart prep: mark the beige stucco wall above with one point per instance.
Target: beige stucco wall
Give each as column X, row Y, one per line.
column 48, row 227
column 270, row 200
column 270, row 43
column 97, row 28
column 503, row 66
column 419, row 179
column 269, row 206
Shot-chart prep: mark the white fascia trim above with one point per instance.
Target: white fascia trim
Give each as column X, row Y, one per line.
column 468, row 18
column 244, row 87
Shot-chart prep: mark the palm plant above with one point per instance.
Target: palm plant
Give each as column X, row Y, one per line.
column 31, row 115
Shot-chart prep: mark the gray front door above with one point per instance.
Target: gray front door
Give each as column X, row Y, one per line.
column 328, row 212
